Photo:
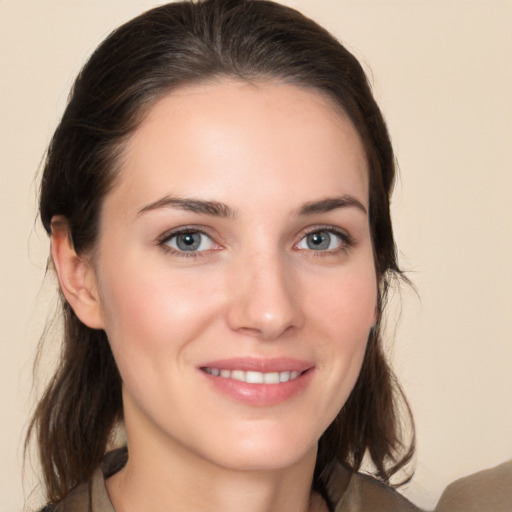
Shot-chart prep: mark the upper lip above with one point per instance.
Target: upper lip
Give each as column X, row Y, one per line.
column 263, row 365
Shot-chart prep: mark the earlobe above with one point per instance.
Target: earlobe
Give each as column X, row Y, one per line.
column 76, row 276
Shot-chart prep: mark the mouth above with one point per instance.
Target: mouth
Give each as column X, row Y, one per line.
column 259, row 382
column 254, row 377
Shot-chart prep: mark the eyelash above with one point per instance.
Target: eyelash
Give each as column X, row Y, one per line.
column 346, row 241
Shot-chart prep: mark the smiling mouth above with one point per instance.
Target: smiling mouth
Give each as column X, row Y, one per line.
column 253, row 377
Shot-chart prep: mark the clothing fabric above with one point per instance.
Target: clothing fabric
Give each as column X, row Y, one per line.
column 486, row 491
column 351, row 492
column 489, row 490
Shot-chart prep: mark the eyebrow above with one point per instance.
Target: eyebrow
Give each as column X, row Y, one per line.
column 218, row 209
column 331, row 203
column 191, row 205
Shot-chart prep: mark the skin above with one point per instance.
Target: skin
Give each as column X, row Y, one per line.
column 258, row 290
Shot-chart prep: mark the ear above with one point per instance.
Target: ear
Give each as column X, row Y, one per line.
column 76, row 276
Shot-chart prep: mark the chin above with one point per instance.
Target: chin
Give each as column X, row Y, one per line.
column 269, row 452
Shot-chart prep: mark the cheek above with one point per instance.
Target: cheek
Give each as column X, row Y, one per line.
column 152, row 318
column 150, row 311
column 347, row 304
column 345, row 310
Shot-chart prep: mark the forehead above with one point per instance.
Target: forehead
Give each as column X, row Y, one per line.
column 219, row 139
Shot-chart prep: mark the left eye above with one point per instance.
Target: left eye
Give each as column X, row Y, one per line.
column 190, row 241
column 320, row 241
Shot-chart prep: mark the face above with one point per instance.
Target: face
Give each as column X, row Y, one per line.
column 235, row 272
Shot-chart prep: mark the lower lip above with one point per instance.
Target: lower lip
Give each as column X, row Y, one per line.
column 260, row 394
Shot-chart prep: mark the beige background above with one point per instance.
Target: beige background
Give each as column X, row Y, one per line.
column 442, row 71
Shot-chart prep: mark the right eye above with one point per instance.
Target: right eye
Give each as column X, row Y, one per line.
column 189, row 241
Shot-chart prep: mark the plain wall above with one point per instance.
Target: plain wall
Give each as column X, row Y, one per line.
column 442, row 73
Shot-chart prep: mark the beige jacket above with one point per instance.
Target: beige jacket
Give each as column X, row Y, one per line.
column 486, row 491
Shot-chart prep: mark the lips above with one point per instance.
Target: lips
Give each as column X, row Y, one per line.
column 261, row 382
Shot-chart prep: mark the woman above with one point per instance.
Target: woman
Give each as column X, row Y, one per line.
column 217, row 196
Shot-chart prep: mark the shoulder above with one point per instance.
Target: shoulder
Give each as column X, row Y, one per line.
column 488, row 490
column 355, row 492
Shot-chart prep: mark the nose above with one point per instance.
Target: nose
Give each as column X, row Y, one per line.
column 265, row 302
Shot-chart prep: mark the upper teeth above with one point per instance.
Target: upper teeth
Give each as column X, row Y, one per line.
column 254, row 377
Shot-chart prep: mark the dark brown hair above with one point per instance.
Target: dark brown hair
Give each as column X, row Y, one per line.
column 165, row 48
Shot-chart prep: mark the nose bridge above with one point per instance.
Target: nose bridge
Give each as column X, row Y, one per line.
column 264, row 299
